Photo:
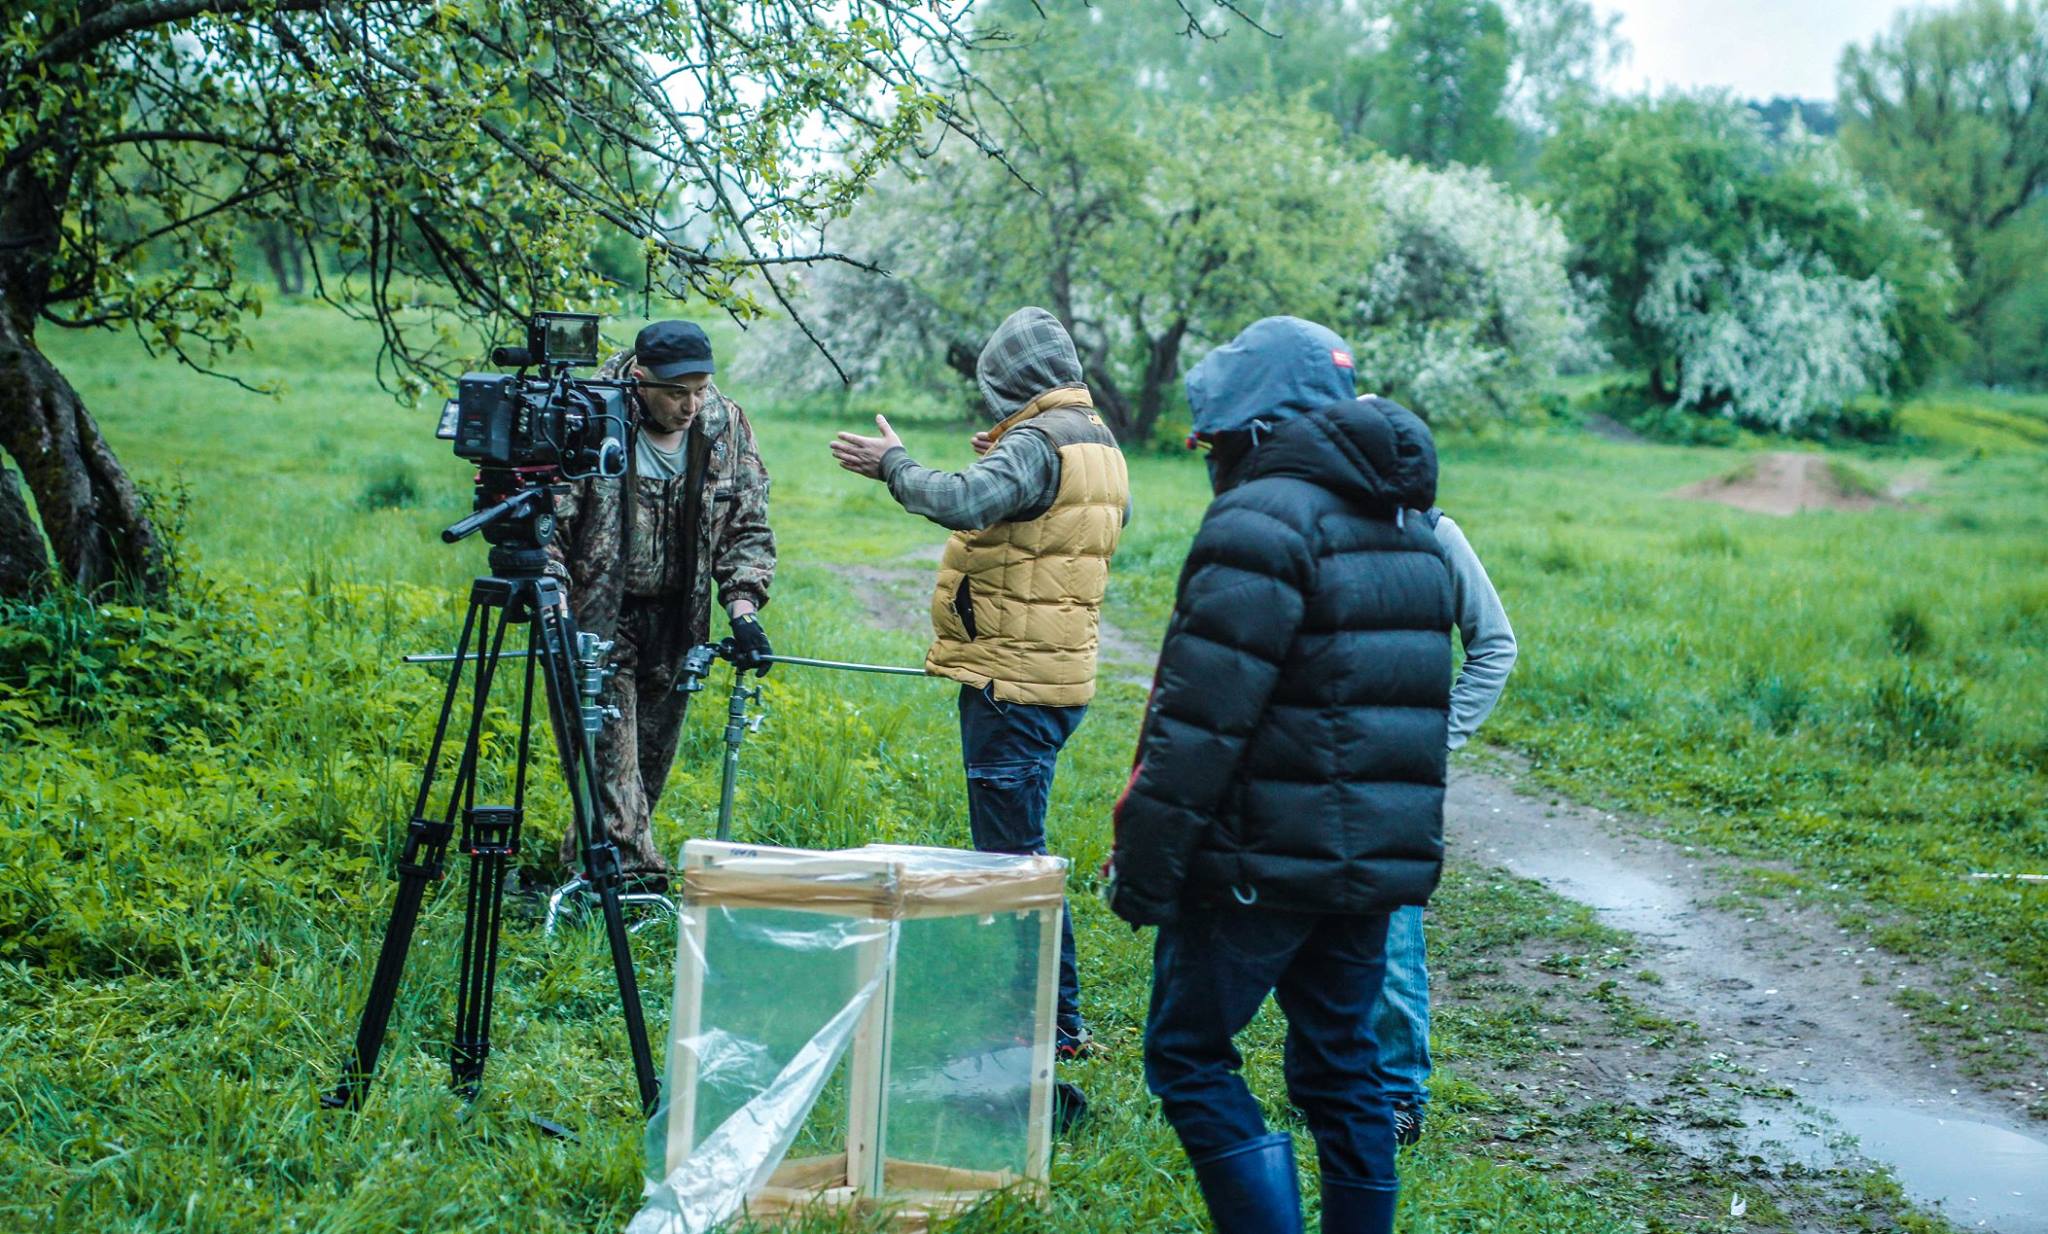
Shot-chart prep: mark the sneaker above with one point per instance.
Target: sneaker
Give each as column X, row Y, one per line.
column 1077, row 1045
column 1407, row 1123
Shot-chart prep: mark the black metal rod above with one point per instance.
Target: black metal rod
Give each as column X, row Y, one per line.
column 736, row 720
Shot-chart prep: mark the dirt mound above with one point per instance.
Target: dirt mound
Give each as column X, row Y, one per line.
column 1789, row 482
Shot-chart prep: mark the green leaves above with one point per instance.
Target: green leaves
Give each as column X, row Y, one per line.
column 1948, row 110
column 1641, row 182
column 466, row 158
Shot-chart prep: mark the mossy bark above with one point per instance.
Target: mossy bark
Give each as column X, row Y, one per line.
column 99, row 531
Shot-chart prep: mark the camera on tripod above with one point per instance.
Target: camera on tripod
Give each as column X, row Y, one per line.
column 573, row 427
column 529, row 431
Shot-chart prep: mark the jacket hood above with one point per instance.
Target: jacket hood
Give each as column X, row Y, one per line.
column 1371, row 450
column 1276, row 368
column 1029, row 354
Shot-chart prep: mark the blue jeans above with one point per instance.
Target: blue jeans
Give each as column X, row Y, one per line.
column 1009, row 750
column 1210, row 973
column 1400, row 1020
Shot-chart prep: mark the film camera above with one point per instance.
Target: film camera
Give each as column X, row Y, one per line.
column 575, row 427
column 533, row 429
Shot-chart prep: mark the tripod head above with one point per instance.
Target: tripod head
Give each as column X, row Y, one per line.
column 515, row 509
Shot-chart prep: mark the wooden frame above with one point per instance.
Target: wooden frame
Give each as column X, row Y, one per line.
column 884, row 883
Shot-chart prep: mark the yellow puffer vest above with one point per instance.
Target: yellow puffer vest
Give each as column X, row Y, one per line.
column 1018, row 604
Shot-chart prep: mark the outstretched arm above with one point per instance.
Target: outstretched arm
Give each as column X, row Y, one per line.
column 1015, row 476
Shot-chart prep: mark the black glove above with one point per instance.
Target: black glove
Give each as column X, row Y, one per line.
column 750, row 649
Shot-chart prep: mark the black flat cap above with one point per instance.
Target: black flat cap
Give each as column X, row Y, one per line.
column 673, row 349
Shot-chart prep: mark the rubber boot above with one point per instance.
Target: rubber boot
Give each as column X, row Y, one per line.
column 1251, row 1187
column 1354, row 1208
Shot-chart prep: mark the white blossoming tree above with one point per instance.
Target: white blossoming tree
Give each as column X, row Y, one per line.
column 1771, row 339
column 1468, row 307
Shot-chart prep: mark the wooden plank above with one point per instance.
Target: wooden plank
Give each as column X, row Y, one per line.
column 748, row 876
column 908, row 1178
column 685, row 1024
column 1038, row 1126
column 810, row 1173
column 867, row 1071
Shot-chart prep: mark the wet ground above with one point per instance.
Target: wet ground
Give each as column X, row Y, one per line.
column 1803, row 1068
column 1785, row 996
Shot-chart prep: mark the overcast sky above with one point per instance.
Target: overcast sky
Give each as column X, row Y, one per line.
column 1759, row 47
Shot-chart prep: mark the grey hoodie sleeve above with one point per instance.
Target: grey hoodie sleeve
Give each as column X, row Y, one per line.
column 1483, row 629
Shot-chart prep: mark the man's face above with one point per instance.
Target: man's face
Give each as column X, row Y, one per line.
column 674, row 402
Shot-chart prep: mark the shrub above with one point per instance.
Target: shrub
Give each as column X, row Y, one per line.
column 392, row 485
column 1775, row 702
column 1918, row 709
column 1907, row 630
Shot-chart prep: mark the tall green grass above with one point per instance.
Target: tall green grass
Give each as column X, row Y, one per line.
column 200, row 807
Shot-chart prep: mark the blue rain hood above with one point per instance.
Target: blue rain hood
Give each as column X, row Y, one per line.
column 1276, row 369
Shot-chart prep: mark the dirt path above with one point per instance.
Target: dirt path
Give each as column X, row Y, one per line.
column 1807, row 1059
column 1783, row 994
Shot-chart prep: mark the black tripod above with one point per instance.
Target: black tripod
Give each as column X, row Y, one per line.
column 572, row 673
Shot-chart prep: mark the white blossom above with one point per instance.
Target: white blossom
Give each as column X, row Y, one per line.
column 1468, row 308
column 1771, row 339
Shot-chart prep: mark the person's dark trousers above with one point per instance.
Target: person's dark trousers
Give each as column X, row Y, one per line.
column 1009, row 750
column 1210, row 973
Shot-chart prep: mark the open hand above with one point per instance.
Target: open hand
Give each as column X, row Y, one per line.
column 863, row 455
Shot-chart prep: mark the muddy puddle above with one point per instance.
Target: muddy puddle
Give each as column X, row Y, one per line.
column 1977, row 1175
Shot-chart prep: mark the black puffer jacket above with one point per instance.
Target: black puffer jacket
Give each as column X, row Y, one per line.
column 1293, row 750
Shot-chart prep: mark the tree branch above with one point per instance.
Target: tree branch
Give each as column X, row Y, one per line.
column 109, row 24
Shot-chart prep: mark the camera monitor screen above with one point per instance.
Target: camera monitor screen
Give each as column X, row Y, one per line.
column 567, row 338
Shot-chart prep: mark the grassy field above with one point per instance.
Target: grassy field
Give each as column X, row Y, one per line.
column 199, row 808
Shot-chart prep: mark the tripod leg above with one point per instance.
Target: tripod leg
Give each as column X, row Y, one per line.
column 422, row 862
column 600, row 855
column 491, row 838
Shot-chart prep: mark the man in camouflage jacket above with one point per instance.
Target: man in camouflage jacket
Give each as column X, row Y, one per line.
column 641, row 572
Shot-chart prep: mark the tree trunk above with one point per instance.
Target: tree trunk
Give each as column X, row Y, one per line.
column 281, row 252
column 24, row 563
column 99, row 531
column 1162, row 364
column 1658, row 390
column 1110, row 401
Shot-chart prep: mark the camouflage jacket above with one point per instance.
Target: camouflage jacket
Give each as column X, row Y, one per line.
column 605, row 557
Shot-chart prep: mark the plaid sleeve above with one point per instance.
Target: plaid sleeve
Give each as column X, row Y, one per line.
column 1019, row 474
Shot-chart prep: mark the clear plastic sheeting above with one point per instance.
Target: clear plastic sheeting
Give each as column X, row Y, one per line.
column 868, row 1029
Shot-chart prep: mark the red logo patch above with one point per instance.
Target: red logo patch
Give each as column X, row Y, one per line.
column 1342, row 359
